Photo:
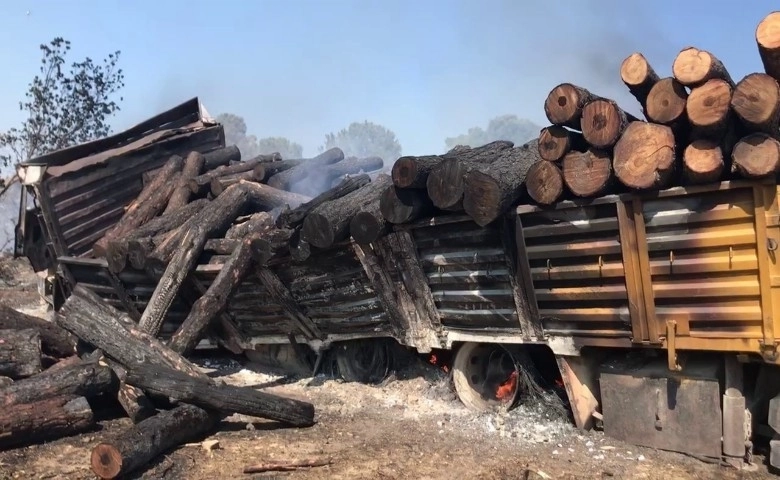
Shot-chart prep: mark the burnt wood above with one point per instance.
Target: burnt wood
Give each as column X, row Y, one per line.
column 193, row 164
column 54, row 340
column 294, row 218
column 44, row 420
column 20, row 353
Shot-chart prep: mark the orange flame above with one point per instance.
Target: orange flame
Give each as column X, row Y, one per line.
column 504, row 391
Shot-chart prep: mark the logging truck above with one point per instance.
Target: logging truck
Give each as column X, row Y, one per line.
column 656, row 311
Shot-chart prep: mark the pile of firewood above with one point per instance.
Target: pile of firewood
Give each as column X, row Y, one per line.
column 700, row 127
column 55, row 374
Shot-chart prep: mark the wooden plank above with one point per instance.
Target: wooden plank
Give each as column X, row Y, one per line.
column 633, row 276
column 761, row 202
column 653, row 329
column 523, row 270
column 282, row 296
column 528, row 328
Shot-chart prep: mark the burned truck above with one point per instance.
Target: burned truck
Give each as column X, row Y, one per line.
column 657, row 311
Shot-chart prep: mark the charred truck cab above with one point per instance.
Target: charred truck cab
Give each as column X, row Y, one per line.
column 657, row 313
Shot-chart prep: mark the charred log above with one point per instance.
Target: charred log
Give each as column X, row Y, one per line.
column 219, row 184
column 266, row 197
column 294, row 218
column 221, row 156
column 404, row 205
column 54, row 340
column 42, row 420
column 85, row 379
column 20, row 353
column 368, row 224
column 287, row 178
column 555, row 142
column 270, row 244
column 181, row 193
column 412, row 172
column 257, row 222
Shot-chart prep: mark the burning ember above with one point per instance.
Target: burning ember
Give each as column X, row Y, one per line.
column 505, row 390
column 434, row 360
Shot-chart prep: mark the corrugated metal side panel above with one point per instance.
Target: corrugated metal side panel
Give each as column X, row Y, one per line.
column 332, row 288
column 703, row 263
column 468, row 273
column 89, row 201
column 577, row 270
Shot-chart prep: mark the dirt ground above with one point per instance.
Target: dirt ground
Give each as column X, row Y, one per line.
column 411, row 426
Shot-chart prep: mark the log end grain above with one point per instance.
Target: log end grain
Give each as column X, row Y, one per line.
column 483, row 202
column 666, row 101
column 756, row 101
column 708, row 105
column 365, row 227
column 401, row 205
column 317, row 230
column 106, row 460
column 587, row 174
column 635, row 70
column 644, row 157
column 756, row 155
column 445, row 184
column 768, row 40
column 693, row 67
column 404, row 172
column 564, row 103
column 554, row 142
column 602, row 123
column 544, row 182
column 703, row 161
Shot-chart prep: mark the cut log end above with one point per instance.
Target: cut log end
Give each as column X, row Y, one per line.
column 365, row 227
column 756, row 101
column 483, row 204
column 106, row 461
column 703, row 161
column 693, row 67
column 587, row 174
column 756, row 155
column 544, row 182
column 404, row 172
column 666, row 101
column 708, row 105
column 401, row 206
column 768, row 40
column 635, row 70
column 317, row 230
column 644, row 157
column 603, row 122
column 555, row 142
column 564, row 104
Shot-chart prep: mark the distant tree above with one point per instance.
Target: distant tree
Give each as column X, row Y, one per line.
column 504, row 127
column 65, row 105
column 249, row 145
column 365, row 139
column 282, row 145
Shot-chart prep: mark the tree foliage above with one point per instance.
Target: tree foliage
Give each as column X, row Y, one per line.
column 504, row 127
column 249, row 145
column 66, row 105
column 364, row 140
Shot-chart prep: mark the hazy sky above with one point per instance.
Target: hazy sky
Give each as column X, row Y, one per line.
column 425, row 69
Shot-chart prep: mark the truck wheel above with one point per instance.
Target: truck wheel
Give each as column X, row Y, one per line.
column 485, row 377
column 364, row 361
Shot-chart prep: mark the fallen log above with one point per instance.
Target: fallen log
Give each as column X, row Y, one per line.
column 492, row 189
column 136, row 404
column 214, row 300
column 644, row 157
column 446, row 180
column 564, row 104
column 285, row 179
column 223, row 398
column 54, row 340
column 555, row 142
column 666, row 102
column 756, row 156
column 20, row 353
column 221, row 246
column 219, row 184
column 141, row 443
column 270, row 244
column 285, row 466
column 756, row 101
column 294, row 218
column 257, row 222
column 146, row 206
column 84, row 379
column 329, row 223
column 638, row 76
column 213, row 221
column 137, row 244
column 693, row 67
column 587, row 174
column 44, row 420
column 703, row 161
column 264, row 196
column 603, row 121
column 88, row 317
column 709, row 107
column 544, row 182
column 768, row 41
column 221, row 156
column 404, row 205
column 181, row 193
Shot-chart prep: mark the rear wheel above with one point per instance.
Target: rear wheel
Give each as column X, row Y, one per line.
column 485, row 377
column 364, row 361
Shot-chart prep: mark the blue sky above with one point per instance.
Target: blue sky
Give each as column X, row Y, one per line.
column 425, row 69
